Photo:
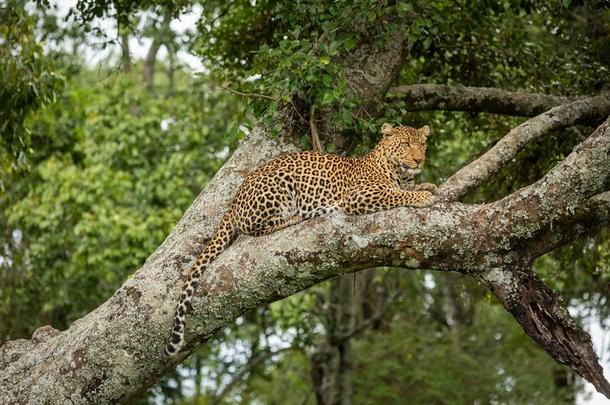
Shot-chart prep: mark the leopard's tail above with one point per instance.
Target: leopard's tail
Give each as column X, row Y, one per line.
column 224, row 235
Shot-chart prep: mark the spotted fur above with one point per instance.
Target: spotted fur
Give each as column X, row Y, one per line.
column 304, row 185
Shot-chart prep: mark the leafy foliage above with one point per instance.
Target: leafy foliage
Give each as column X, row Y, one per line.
column 299, row 53
column 123, row 169
column 28, row 80
column 485, row 351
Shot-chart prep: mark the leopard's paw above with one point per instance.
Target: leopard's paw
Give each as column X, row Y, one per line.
column 424, row 198
column 432, row 188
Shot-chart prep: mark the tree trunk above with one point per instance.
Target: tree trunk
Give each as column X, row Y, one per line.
column 332, row 361
column 148, row 73
column 171, row 70
column 347, row 326
column 125, row 53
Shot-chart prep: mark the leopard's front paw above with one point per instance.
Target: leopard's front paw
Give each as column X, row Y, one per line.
column 432, row 188
column 424, row 198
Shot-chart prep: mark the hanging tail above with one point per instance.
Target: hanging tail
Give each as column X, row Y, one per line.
column 224, row 235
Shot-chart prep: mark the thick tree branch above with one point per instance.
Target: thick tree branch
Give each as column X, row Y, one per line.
column 475, row 173
column 95, row 344
column 591, row 216
column 550, row 212
column 426, row 97
column 560, row 196
column 106, row 355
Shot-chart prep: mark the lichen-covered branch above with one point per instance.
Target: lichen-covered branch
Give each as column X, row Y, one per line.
column 560, row 196
column 103, row 357
column 116, row 351
column 594, row 214
column 562, row 205
column 425, row 97
column 475, row 173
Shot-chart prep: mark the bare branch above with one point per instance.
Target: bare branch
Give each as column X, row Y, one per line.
column 544, row 317
column 545, row 214
column 475, row 173
column 315, row 138
column 250, row 95
column 425, row 97
column 252, row 363
column 560, row 196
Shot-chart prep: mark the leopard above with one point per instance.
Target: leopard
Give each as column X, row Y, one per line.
column 299, row 186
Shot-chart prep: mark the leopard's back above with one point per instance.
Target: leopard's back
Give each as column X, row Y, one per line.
column 303, row 184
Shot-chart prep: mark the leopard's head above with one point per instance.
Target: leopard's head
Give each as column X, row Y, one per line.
column 405, row 146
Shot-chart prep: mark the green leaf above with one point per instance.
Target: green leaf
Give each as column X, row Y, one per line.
column 327, row 98
column 350, row 43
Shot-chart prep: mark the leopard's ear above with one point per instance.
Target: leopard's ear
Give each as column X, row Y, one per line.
column 387, row 129
column 425, row 131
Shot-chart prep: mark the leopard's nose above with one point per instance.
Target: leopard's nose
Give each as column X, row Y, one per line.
column 419, row 160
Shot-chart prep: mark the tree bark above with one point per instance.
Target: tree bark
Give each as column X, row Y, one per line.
column 370, row 71
column 425, row 97
column 544, row 317
column 171, row 70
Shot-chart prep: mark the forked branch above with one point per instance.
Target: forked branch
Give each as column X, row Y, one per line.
column 114, row 352
column 559, row 203
column 591, row 109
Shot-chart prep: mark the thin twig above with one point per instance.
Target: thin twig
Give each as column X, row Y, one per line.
column 315, row 139
column 239, row 93
column 252, row 363
column 222, row 13
column 369, row 321
column 295, row 109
